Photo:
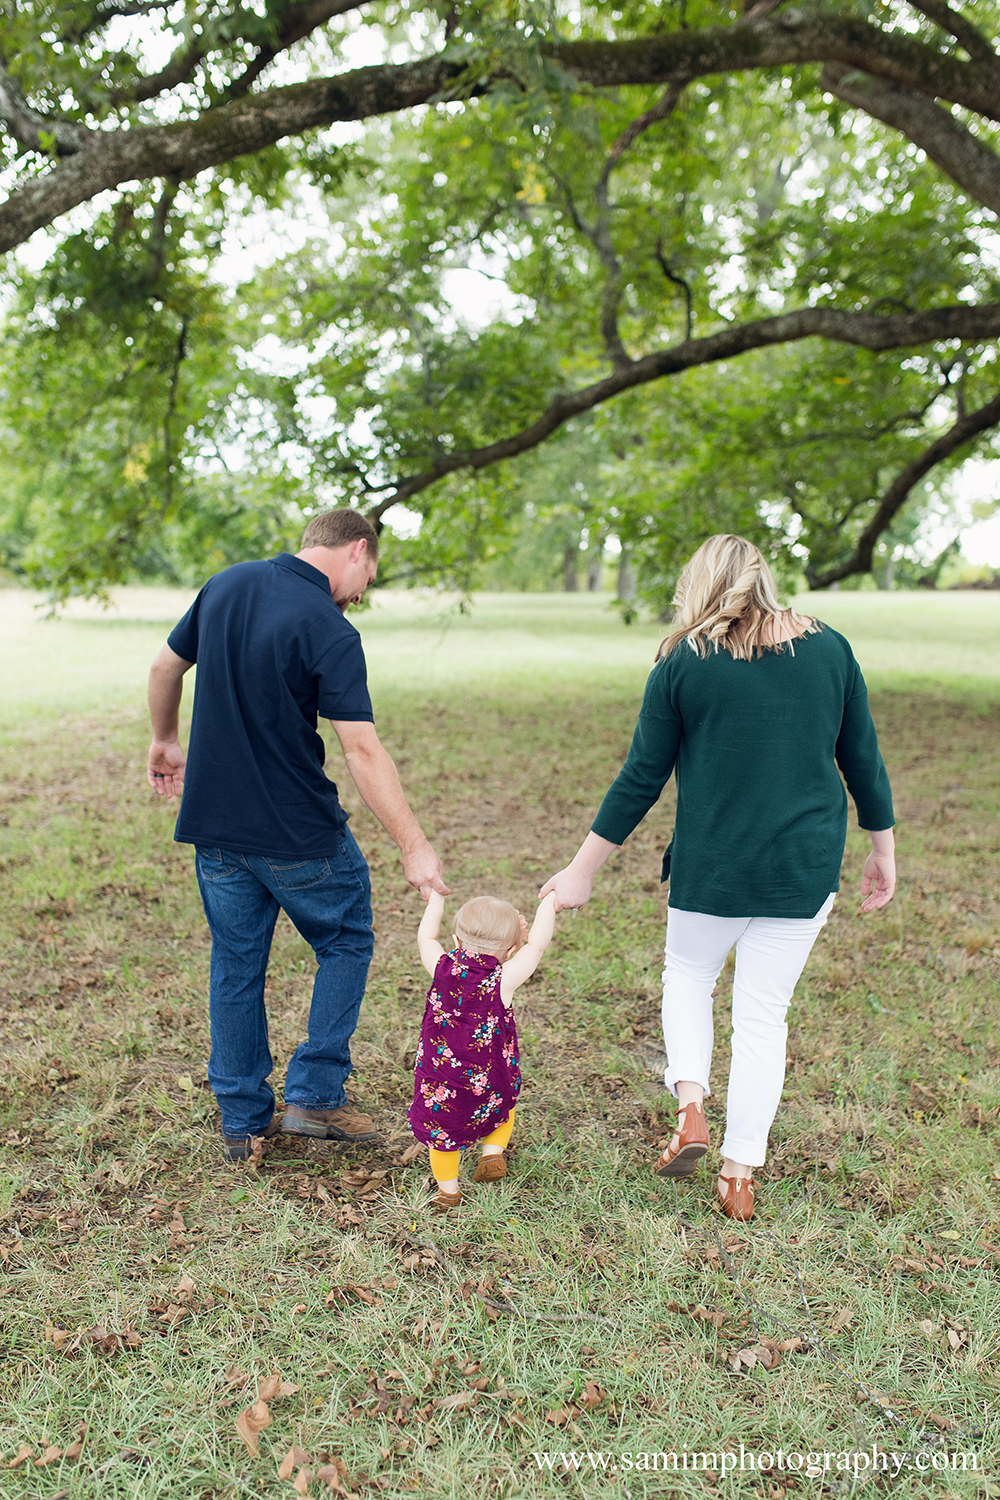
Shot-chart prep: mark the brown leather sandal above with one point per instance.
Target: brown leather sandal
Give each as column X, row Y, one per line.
column 490, row 1168
column 692, row 1144
column 442, row 1201
column 736, row 1198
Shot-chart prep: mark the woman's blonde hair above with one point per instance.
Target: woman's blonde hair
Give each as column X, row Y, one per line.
column 487, row 925
column 726, row 596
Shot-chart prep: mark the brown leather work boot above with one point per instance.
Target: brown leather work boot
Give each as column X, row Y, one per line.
column 241, row 1148
column 343, row 1124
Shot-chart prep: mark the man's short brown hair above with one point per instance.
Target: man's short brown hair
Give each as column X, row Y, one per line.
column 339, row 528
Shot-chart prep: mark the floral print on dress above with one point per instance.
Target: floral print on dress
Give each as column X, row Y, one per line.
column 469, row 1038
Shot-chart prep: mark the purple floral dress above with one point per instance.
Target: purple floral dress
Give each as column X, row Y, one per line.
column 467, row 1074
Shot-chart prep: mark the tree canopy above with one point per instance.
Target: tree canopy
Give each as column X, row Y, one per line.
column 746, row 268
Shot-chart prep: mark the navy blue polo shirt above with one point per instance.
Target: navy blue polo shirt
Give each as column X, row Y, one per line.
column 274, row 652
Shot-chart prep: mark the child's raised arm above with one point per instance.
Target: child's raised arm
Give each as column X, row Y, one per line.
column 526, row 960
column 427, row 933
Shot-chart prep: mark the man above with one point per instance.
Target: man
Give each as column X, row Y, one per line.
column 274, row 651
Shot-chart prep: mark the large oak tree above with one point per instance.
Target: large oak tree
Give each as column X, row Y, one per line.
column 664, row 190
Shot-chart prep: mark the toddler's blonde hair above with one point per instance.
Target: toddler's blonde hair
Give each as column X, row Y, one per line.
column 487, row 925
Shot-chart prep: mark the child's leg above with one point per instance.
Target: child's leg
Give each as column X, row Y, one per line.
column 444, row 1165
column 498, row 1139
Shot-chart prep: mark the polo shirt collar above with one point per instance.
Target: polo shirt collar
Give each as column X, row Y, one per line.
column 305, row 570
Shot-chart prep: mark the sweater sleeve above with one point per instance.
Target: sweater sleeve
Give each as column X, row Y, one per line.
column 860, row 761
column 648, row 765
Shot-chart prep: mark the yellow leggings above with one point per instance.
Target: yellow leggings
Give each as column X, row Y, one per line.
column 444, row 1164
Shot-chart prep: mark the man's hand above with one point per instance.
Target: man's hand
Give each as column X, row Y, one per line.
column 165, row 768
column 422, row 868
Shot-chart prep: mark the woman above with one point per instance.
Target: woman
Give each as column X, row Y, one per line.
column 754, row 706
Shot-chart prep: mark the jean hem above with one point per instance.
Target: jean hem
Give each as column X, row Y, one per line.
column 309, row 1104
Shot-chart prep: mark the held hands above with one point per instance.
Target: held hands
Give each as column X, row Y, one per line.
column 422, row 868
column 165, row 768
column 569, row 888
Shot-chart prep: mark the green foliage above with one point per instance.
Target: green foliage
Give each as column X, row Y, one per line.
column 159, row 419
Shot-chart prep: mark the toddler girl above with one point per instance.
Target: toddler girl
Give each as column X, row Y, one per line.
column 467, row 1074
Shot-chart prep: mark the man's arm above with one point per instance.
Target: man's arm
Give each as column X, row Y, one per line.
column 374, row 775
column 165, row 767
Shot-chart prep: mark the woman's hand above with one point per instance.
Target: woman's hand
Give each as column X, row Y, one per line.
column 878, row 878
column 571, row 888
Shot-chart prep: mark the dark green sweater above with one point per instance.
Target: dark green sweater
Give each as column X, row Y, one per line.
column 761, row 810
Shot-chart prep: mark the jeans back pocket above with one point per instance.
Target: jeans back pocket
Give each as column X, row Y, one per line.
column 300, row 875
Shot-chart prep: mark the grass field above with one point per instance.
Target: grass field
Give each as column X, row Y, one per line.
column 583, row 1306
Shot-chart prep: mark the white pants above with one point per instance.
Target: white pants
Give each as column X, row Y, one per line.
column 771, row 953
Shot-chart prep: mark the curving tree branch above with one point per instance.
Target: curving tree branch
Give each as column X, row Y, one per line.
column 30, row 128
column 106, row 158
column 959, row 154
column 292, row 24
column 955, row 24
column 896, row 496
column 864, row 330
column 600, row 233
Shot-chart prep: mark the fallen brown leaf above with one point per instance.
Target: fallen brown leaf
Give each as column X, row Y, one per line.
column 561, row 1415
column 592, row 1396
column 269, row 1386
column 293, row 1459
column 461, row 1401
column 48, row 1457
column 336, row 1476
column 301, row 1482
column 251, row 1423
column 702, row 1315
column 22, row 1455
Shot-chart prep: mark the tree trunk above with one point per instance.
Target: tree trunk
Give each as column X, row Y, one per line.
column 595, row 566
column 626, row 578
column 571, row 557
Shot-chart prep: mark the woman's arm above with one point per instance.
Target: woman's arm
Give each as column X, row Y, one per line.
column 636, row 788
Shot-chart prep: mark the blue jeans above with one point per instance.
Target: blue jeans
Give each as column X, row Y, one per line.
column 329, row 901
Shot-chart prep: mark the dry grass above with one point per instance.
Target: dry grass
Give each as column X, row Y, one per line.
column 881, row 1188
